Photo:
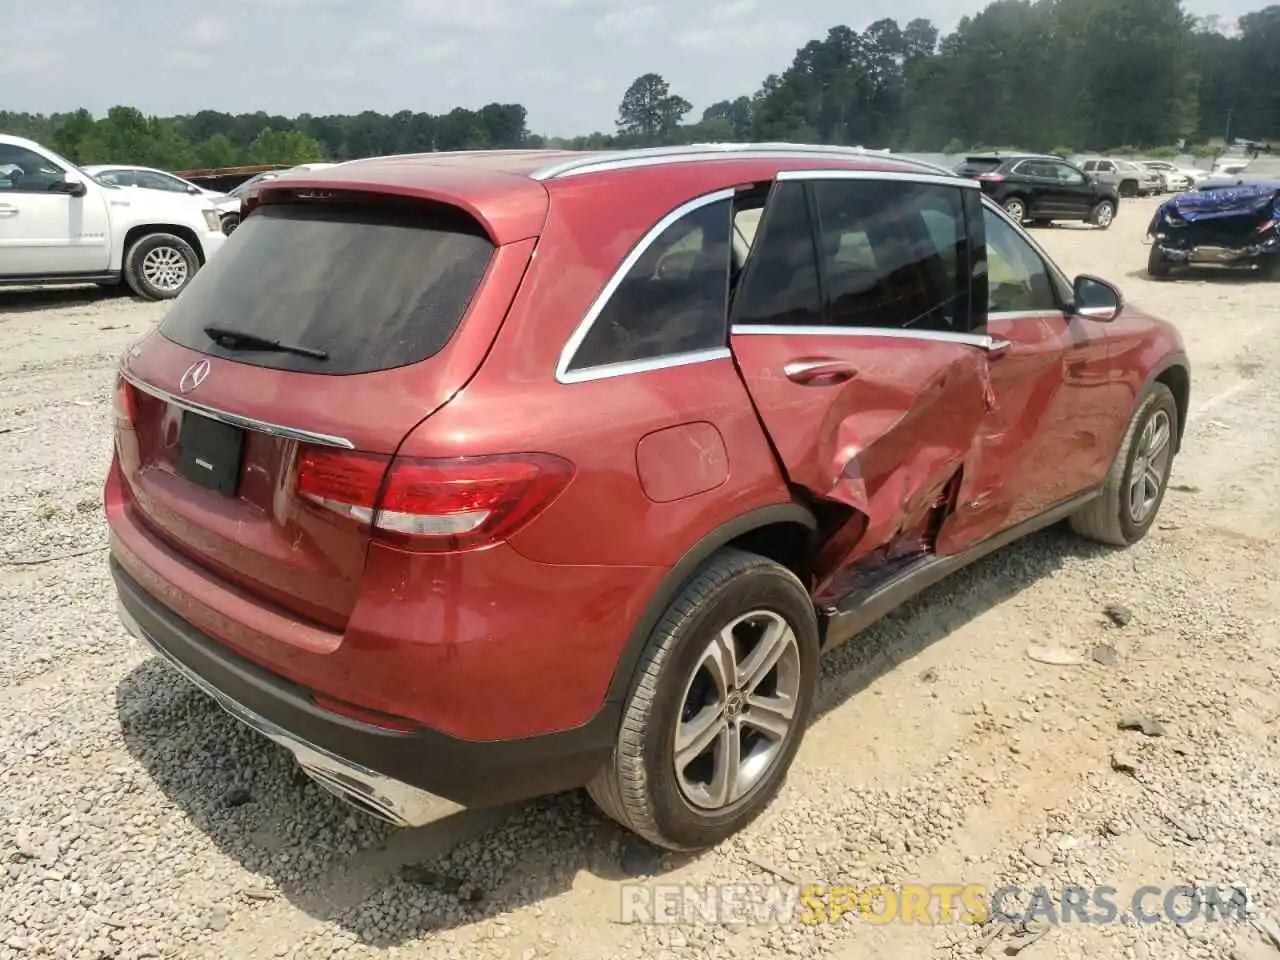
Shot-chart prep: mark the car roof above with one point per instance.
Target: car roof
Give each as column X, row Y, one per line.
column 552, row 164
column 507, row 190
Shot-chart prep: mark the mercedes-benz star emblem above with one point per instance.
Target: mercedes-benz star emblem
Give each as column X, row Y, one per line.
column 194, row 376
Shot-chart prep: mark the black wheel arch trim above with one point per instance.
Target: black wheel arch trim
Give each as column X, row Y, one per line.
column 679, row 574
column 1164, row 366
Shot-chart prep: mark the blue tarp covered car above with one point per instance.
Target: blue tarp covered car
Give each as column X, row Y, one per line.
column 1235, row 225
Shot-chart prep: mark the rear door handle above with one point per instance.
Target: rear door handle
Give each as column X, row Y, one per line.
column 824, row 370
column 7, row 211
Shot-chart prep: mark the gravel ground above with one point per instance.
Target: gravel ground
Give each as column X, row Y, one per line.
column 140, row 821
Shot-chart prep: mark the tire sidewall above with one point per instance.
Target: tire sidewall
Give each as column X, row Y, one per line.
column 144, row 245
column 764, row 588
column 1016, row 202
column 1094, row 214
column 1157, row 397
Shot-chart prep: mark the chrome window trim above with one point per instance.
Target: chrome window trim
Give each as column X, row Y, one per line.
column 1024, row 314
column 236, row 420
column 570, row 348
column 981, row 340
column 895, row 176
column 606, row 371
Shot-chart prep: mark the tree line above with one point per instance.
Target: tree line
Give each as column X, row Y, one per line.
column 1060, row 75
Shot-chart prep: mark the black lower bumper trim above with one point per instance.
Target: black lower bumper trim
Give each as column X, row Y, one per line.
column 467, row 772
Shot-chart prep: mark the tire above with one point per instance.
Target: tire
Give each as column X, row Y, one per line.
column 1016, row 208
column 639, row 787
column 1158, row 268
column 1111, row 518
column 1128, row 188
column 1102, row 214
column 1270, row 268
column 156, row 258
column 229, row 223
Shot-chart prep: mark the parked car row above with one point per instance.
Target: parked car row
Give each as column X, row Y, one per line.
column 1041, row 188
column 58, row 223
column 331, row 510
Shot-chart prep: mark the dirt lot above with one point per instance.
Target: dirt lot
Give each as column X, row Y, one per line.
column 137, row 820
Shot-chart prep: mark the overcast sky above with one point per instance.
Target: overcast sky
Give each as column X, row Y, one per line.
column 568, row 61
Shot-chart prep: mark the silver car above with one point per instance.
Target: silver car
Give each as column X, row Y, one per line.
column 1126, row 176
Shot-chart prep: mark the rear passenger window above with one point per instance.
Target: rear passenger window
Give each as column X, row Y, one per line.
column 892, row 255
column 673, row 300
column 780, row 285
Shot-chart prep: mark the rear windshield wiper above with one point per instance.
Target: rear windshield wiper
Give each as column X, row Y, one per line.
column 231, row 339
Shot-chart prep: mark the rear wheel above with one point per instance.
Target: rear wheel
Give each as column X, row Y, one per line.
column 159, row 266
column 229, row 222
column 723, row 696
column 1102, row 214
column 1016, row 208
column 1129, row 188
column 1136, row 484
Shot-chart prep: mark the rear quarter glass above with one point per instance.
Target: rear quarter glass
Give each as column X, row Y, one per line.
column 373, row 286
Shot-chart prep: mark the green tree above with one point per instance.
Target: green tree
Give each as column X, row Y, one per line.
column 649, row 112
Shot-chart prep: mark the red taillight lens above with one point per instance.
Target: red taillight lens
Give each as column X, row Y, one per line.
column 125, row 402
column 1266, row 225
column 435, row 505
column 346, row 483
column 991, row 177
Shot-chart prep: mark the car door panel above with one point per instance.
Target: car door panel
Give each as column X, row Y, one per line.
column 1048, row 434
column 43, row 230
column 885, row 441
column 875, row 420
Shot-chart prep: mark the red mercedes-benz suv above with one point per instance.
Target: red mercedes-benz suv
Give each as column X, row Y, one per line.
column 481, row 476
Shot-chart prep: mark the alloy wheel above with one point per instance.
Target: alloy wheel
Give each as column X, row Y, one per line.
column 738, row 710
column 165, row 268
column 1150, row 466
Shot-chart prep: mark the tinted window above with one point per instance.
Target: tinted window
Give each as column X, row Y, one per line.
column 1063, row 172
column 1091, row 165
column 673, row 300
column 373, row 288
column 972, row 165
column 780, row 285
column 882, row 265
column 1017, row 278
column 24, row 171
column 1034, row 168
column 157, row 181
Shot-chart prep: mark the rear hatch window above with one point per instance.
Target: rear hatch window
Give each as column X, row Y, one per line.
column 975, row 165
column 339, row 287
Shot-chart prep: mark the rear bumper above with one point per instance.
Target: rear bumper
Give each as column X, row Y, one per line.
column 406, row 778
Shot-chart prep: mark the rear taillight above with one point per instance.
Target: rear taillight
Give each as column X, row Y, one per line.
column 434, row 505
column 125, row 402
column 1266, row 225
column 991, row 177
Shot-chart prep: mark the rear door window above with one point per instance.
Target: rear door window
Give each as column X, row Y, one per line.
column 893, row 255
column 373, row 288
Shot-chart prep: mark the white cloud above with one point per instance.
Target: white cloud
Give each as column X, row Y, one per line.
column 627, row 24
column 736, row 39
column 465, row 14
column 206, row 30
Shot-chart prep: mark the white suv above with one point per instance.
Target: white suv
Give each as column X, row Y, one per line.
column 59, row 225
